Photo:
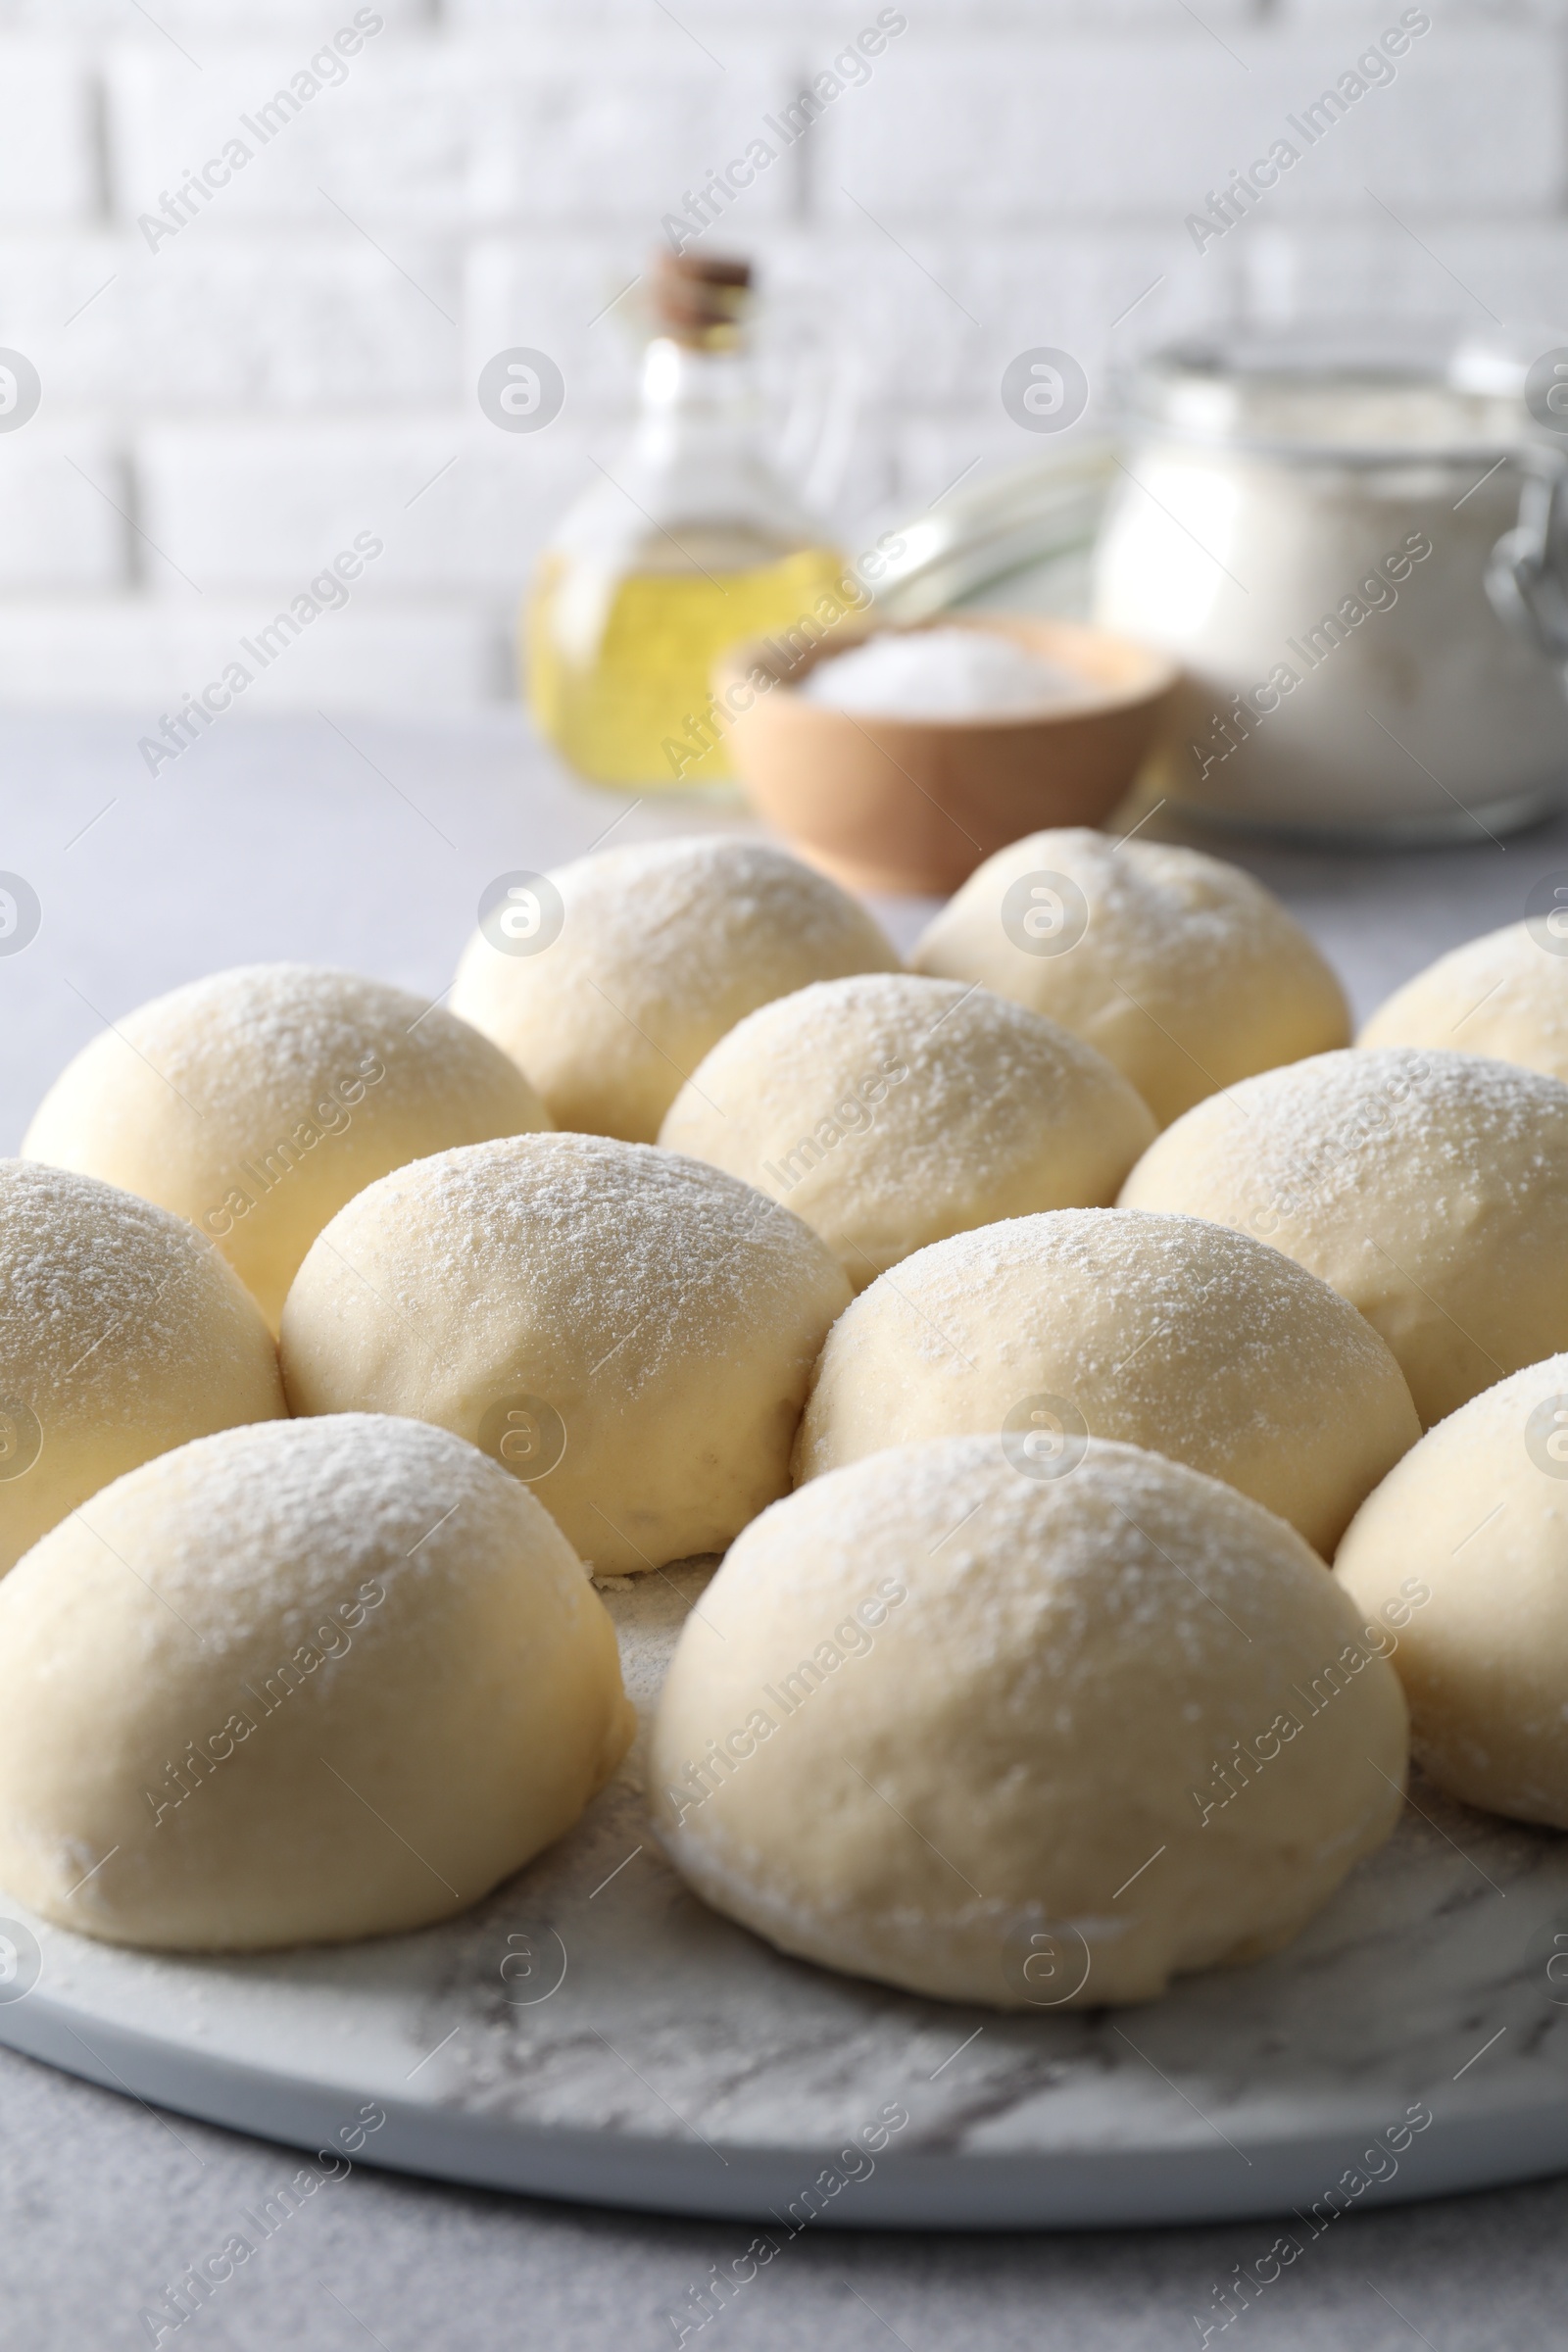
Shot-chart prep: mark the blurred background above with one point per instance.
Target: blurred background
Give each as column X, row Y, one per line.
column 246, row 361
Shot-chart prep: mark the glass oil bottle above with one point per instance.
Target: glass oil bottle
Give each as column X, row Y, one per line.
column 689, row 543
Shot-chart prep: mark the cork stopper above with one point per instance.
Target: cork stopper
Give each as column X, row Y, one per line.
column 700, row 299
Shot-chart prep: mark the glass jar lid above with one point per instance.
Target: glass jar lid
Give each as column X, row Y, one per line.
column 1360, row 394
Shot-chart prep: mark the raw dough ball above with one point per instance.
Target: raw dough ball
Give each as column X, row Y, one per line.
column 1504, row 996
column 122, row 1334
column 1025, row 1743
column 631, row 1332
column 1430, row 1188
column 1182, row 970
column 308, row 1681
column 1463, row 1553
column 256, row 1102
column 890, row 1112
column 663, row 946
column 1198, row 1343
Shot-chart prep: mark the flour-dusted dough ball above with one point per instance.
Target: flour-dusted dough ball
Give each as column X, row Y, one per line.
column 1179, row 968
column 1163, row 1332
column 662, row 948
column 122, row 1335
column 1430, row 1188
column 890, row 1112
column 297, row 1683
column 1505, row 996
column 1463, row 1553
column 629, row 1332
column 1033, row 1743
column 256, row 1102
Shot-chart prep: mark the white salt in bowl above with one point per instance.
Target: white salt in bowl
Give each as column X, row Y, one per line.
column 912, row 803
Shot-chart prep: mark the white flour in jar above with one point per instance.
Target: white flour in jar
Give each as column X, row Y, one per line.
column 1337, row 677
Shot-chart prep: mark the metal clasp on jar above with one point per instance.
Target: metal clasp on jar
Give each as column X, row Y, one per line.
column 1527, row 577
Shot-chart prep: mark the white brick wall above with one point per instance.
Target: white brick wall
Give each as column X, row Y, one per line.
column 48, row 168
column 224, row 408
column 251, row 505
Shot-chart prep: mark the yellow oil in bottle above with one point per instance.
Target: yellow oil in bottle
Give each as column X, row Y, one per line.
column 619, row 665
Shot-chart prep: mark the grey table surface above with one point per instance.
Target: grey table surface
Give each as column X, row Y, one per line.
column 369, row 845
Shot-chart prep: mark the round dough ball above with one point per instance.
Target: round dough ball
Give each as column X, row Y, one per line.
column 661, row 949
column 1462, row 1553
column 1504, row 995
column 1164, row 1331
column 890, row 1112
column 122, row 1334
column 1033, row 1743
column 1179, row 968
column 256, row 1102
column 300, row 1683
column 630, row 1332
column 1430, row 1188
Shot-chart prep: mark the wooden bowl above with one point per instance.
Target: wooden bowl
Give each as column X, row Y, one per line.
column 915, row 804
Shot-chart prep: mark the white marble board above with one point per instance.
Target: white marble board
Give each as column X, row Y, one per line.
column 593, row 2031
